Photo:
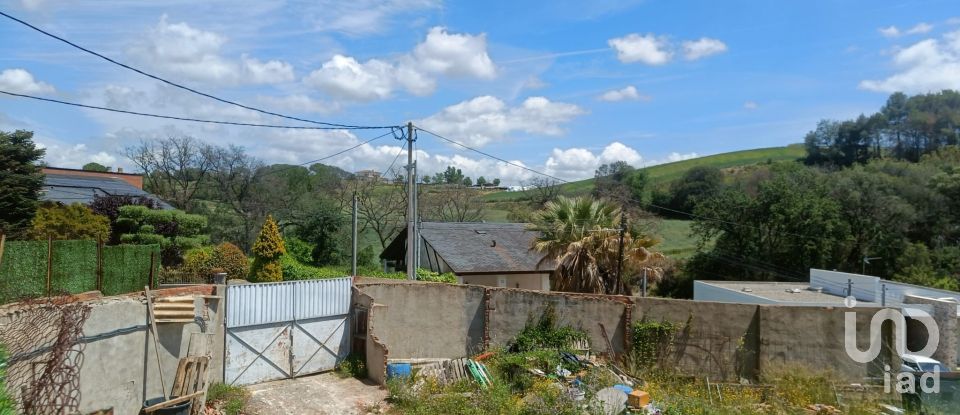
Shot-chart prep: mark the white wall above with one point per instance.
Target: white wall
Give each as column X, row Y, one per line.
column 864, row 287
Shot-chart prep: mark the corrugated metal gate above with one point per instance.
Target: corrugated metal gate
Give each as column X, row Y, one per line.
column 285, row 329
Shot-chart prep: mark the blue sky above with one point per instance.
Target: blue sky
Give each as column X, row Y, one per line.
column 560, row 86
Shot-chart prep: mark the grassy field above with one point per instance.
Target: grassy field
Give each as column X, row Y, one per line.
column 675, row 238
column 665, row 173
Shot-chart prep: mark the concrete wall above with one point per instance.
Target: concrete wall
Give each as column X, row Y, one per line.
column 374, row 350
column 946, row 314
column 532, row 281
column 428, row 320
column 119, row 368
column 509, row 310
column 814, row 337
column 720, row 340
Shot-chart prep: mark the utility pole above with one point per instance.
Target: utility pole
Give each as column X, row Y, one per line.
column 411, row 208
column 623, row 231
column 353, row 251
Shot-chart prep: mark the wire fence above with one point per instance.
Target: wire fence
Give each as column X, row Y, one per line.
column 30, row 269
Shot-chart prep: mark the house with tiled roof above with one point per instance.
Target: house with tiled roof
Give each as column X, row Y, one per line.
column 490, row 254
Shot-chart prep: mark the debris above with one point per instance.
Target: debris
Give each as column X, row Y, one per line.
column 638, row 398
column 483, row 356
column 479, row 373
column 611, row 401
column 626, row 389
column 821, row 409
column 398, row 370
column 561, row 372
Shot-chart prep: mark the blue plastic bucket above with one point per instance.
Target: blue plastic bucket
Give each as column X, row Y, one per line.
column 398, row 370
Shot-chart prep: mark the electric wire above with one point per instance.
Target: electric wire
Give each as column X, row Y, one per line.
column 186, row 88
column 169, row 117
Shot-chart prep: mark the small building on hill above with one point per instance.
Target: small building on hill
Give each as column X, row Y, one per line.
column 68, row 186
column 490, row 254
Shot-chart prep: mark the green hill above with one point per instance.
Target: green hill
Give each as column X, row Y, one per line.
column 665, row 173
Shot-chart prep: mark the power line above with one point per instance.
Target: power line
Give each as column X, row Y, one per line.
column 169, row 117
column 489, row 155
column 185, row 88
column 329, row 156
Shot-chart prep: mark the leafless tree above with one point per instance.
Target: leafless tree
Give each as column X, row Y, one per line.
column 542, row 190
column 174, row 167
column 237, row 177
column 452, row 203
column 381, row 205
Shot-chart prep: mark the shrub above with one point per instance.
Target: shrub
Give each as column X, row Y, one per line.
column 75, row 221
column 231, row 260
column 267, row 251
column 175, row 231
column 198, row 262
column 427, row 275
column 353, row 366
column 299, row 249
column 545, row 332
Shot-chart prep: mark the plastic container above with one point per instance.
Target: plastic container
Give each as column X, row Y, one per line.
column 624, row 388
column 182, row 408
column 398, row 370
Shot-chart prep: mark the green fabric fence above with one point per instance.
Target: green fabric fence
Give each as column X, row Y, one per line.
column 73, row 268
column 23, row 272
column 126, row 268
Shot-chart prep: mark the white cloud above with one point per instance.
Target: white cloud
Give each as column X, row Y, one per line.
column 59, row 154
column 20, row 81
column 750, row 105
column 890, row 31
column 703, row 47
column 454, row 54
column 953, row 21
column 533, row 82
column 918, row 29
column 440, row 54
column 300, row 103
column 926, row 66
column 649, row 49
column 344, row 77
column 184, row 50
column 362, row 17
column 617, row 151
column 624, row 94
column 483, row 119
column 580, row 163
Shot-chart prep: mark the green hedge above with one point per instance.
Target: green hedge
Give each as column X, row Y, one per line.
column 126, row 268
column 23, row 271
column 74, row 267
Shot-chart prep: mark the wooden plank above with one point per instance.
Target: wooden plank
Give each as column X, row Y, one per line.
column 172, row 402
column 175, row 320
column 156, row 341
column 175, row 299
column 174, row 306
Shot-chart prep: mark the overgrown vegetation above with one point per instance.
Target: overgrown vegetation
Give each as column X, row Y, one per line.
column 74, row 221
column 545, row 332
column 354, row 366
column 7, row 404
column 232, row 400
column 651, row 341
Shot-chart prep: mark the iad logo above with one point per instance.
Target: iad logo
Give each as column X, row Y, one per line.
column 906, row 381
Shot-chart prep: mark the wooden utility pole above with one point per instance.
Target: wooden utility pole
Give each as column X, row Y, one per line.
column 411, row 208
column 353, row 251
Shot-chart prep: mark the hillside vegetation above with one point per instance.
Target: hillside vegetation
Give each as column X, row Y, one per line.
column 666, row 173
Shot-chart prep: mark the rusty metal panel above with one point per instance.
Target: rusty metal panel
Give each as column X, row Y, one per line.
column 322, row 298
column 264, row 303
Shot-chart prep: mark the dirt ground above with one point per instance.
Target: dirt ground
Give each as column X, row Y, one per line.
column 325, row 393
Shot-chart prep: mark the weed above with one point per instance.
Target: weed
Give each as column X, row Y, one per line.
column 233, row 399
column 545, row 333
column 353, row 366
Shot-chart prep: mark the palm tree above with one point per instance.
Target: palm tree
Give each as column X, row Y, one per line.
column 582, row 236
